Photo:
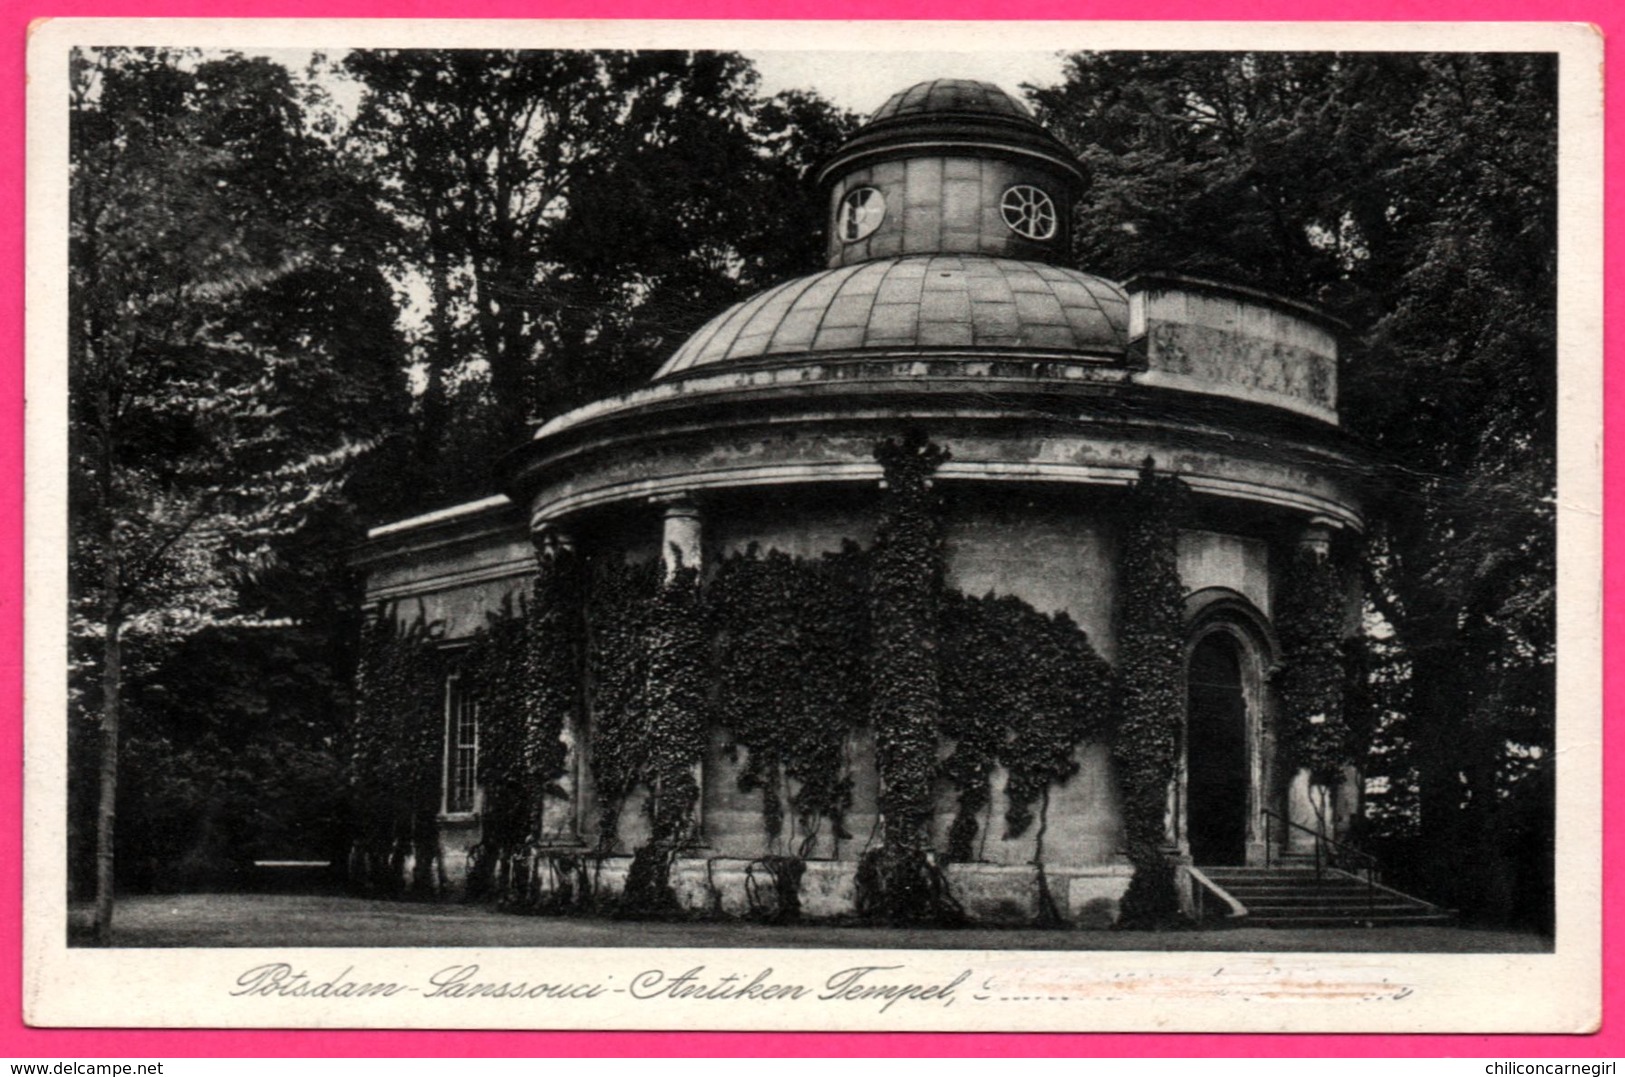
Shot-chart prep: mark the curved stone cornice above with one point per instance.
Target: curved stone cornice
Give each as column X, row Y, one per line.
column 1064, row 423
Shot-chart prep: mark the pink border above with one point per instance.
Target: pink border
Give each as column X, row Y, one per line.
column 19, row 1041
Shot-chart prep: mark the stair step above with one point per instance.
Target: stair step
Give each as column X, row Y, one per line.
column 1295, row 895
column 1416, row 920
column 1310, row 887
column 1293, row 884
column 1343, row 912
column 1277, row 877
column 1295, row 901
column 1330, row 892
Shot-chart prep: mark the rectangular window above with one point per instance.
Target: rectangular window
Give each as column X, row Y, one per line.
column 462, row 746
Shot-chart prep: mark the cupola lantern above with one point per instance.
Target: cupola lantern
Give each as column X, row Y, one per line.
column 951, row 167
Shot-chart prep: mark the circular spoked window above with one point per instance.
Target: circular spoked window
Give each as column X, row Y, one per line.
column 1029, row 212
column 860, row 214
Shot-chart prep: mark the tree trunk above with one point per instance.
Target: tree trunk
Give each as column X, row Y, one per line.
column 112, row 668
column 112, row 686
column 441, row 358
column 1049, row 914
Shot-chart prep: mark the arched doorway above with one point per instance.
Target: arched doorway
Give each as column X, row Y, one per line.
column 1216, row 759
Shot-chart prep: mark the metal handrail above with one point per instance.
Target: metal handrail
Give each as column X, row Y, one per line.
column 1323, row 847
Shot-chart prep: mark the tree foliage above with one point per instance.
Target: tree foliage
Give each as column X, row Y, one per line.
column 231, row 357
column 569, row 217
column 245, row 257
column 1413, row 195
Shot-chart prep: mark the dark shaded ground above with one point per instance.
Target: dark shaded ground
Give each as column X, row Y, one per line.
column 208, row 920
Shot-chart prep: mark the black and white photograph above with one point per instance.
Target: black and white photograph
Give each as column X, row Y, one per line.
column 1080, row 528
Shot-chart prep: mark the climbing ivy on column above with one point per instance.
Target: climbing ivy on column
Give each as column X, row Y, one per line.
column 555, row 671
column 1312, row 678
column 676, row 712
column 676, row 705
column 899, row 881
column 1150, row 677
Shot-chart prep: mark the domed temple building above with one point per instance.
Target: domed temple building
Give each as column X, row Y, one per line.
column 1061, row 452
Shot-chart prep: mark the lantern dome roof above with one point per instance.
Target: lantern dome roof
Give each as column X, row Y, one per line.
column 949, row 116
column 952, row 95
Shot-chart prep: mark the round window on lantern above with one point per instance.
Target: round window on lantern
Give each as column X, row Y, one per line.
column 1029, row 212
column 860, row 214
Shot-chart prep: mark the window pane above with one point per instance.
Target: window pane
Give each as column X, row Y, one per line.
column 463, row 757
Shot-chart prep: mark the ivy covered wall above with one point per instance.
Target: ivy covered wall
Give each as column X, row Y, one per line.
column 1151, row 685
column 397, row 741
column 619, row 619
column 978, row 707
column 793, row 685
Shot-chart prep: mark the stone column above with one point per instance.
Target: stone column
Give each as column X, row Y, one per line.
column 1307, row 804
column 680, row 534
column 681, row 538
column 561, row 581
column 1316, row 537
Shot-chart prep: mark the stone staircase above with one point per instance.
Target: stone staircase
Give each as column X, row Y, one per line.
column 1291, row 896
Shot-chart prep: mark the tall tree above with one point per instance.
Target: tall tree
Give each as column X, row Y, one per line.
column 570, row 216
column 1413, row 195
column 231, row 355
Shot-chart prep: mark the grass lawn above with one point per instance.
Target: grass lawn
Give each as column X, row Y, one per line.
column 209, row 920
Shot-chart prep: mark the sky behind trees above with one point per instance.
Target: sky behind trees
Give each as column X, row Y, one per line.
column 859, row 81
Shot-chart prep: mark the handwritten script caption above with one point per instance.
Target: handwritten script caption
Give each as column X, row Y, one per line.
column 878, row 986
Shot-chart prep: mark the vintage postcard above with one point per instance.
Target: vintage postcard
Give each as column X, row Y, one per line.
column 814, row 526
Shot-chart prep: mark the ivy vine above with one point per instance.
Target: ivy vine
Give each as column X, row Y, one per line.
column 618, row 614
column 790, row 656
column 792, row 683
column 396, row 753
column 1019, row 688
column 493, row 671
column 657, row 736
column 1312, row 679
column 555, row 672
column 676, row 705
column 1150, row 677
column 524, row 671
column 900, row 881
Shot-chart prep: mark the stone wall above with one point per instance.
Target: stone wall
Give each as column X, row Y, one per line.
column 1214, row 559
column 1225, row 341
column 989, row 893
column 1057, row 554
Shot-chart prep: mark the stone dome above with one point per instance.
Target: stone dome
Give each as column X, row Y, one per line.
column 936, row 301
column 951, row 95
